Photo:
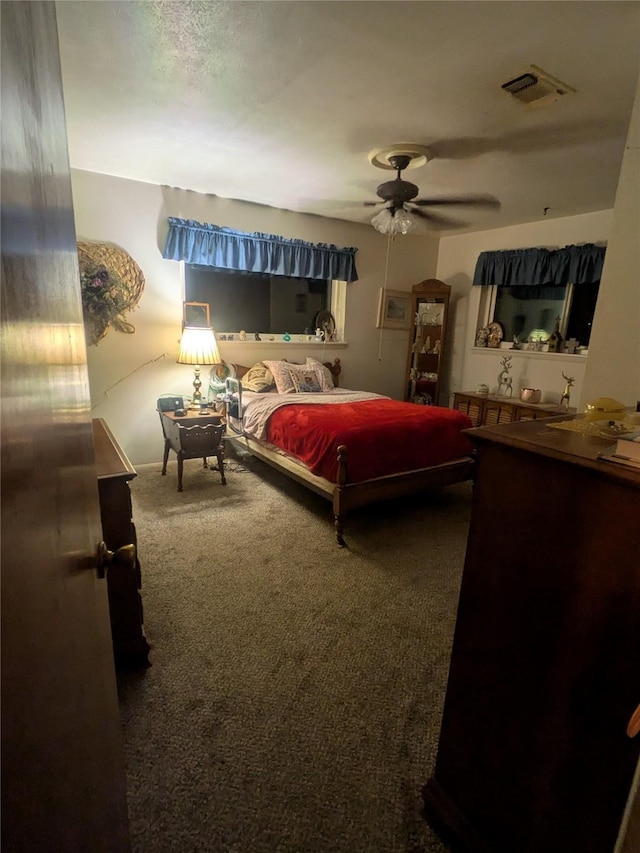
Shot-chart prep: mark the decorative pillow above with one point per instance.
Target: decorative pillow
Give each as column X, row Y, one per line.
column 326, row 379
column 305, row 379
column 258, row 378
column 281, row 376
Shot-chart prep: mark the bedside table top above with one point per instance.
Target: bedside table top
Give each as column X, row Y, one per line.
column 195, row 416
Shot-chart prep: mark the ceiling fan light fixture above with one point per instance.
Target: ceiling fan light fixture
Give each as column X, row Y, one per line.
column 383, row 220
column 391, row 222
column 403, row 221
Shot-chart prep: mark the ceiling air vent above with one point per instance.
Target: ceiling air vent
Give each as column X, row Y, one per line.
column 535, row 87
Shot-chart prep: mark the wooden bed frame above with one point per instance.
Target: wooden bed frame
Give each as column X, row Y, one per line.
column 346, row 496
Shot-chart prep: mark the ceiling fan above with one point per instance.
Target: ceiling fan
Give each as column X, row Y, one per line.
column 400, row 207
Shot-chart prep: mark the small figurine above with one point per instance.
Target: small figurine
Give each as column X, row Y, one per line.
column 564, row 399
column 482, row 336
column 256, row 335
column 555, row 339
column 505, row 382
column 243, row 335
column 436, row 347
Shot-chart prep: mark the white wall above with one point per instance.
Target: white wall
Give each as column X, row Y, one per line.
column 613, row 368
column 128, row 372
column 457, row 258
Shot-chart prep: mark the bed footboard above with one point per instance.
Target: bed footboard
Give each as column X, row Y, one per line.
column 346, row 496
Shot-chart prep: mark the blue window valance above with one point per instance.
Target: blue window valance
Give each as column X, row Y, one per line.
column 550, row 267
column 225, row 248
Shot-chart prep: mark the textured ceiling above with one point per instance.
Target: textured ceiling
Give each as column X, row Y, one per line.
column 280, row 103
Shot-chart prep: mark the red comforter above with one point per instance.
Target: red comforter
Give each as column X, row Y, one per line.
column 382, row 436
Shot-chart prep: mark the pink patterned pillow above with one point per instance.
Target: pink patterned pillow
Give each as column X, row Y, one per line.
column 281, row 376
column 295, row 378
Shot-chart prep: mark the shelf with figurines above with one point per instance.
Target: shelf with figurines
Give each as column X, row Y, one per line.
column 430, row 300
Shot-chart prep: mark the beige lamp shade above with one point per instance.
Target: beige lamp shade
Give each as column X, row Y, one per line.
column 198, row 346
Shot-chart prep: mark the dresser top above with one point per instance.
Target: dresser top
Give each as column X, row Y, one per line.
column 540, row 437
column 515, row 401
column 111, row 460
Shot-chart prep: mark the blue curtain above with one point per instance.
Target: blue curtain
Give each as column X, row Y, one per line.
column 225, row 248
column 551, row 267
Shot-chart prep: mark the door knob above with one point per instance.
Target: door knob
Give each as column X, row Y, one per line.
column 124, row 556
column 633, row 726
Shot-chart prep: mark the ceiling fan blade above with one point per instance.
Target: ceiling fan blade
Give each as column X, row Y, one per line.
column 476, row 200
column 338, row 208
column 340, row 204
column 438, row 219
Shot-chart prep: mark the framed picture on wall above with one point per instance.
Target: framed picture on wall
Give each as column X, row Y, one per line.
column 196, row 314
column 394, row 309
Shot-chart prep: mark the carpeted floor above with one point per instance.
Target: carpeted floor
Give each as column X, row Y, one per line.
column 296, row 688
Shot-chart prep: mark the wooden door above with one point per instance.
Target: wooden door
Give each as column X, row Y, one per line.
column 62, row 769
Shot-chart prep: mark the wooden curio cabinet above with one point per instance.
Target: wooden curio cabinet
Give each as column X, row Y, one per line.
column 430, row 305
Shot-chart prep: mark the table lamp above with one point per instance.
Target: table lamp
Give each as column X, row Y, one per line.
column 198, row 346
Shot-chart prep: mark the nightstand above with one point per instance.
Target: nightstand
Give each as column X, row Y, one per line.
column 195, row 434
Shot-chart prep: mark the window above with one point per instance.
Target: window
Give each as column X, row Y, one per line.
column 527, row 290
column 256, row 302
column 529, row 312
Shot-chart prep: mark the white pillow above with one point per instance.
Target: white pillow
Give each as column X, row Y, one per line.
column 326, row 379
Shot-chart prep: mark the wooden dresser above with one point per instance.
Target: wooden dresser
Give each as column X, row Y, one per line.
column 545, row 670
column 485, row 409
column 130, row 646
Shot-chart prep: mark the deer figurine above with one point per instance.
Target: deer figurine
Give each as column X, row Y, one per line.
column 564, row 399
column 505, row 386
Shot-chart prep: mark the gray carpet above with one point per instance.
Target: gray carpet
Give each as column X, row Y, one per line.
column 296, row 688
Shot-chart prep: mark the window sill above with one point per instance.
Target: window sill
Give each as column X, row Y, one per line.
column 524, row 353
column 319, row 345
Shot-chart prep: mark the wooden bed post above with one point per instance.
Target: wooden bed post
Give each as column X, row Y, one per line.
column 335, row 369
column 341, row 481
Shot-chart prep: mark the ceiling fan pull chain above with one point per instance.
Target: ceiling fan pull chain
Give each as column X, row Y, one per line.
column 384, row 294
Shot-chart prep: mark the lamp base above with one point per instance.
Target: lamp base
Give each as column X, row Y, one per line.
column 197, row 385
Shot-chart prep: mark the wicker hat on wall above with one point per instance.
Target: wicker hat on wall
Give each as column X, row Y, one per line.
column 111, row 283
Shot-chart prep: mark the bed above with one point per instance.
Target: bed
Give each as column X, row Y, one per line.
column 351, row 447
